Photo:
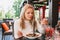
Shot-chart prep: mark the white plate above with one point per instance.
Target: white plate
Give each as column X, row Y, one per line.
column 33, row 37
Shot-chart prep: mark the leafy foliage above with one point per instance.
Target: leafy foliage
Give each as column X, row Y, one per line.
column 16, row 7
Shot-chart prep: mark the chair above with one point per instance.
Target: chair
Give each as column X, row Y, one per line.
column 6, row 27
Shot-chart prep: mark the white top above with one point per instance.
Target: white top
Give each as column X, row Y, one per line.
column 28, row 28
column 17, row 28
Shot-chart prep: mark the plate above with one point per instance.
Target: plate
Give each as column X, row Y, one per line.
column 34, row 37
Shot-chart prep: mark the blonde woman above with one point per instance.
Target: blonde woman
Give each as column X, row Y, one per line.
column 24, row 25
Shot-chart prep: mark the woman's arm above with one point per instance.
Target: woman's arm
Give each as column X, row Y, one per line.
column 17, row 30
column 19, row 33
column 40, row 28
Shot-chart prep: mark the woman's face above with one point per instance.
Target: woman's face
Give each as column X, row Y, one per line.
column 58, row 23
column 29, row 13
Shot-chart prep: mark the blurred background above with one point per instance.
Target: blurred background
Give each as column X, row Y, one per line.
column 10, row 9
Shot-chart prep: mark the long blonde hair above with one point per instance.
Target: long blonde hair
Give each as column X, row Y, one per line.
column 22, row 18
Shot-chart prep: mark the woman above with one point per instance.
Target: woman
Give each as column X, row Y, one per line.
column 24, row 25
column 57, row 28
column 56, row 35
column 58, row 25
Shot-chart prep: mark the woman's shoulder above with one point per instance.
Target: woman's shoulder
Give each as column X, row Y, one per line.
column 16, row 21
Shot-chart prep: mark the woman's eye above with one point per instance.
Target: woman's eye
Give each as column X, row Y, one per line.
column 30, row 13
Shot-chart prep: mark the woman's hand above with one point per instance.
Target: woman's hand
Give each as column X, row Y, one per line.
column 20, row 34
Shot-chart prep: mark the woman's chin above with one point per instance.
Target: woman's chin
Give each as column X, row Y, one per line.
column 29, row 19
